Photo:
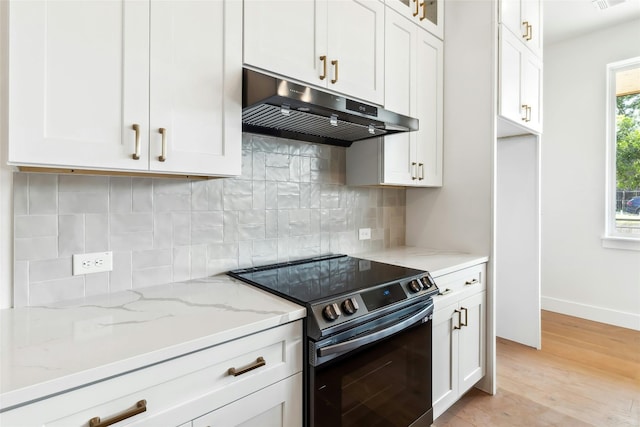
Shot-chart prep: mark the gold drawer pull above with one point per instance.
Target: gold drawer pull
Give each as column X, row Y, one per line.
column 136, row 153
column 258, row 363
column 323, row 58
column 335, row 68
column 466, row 316
column 417, row 8
column 163, row 156
column 444, row 292
column 424, row 10
column 140, row 407
column 471, row 282
column 459, row 319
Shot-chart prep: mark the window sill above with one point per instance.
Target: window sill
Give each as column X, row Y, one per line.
column 626, row 243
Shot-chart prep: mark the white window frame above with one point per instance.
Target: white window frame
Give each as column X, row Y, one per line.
column 612, row 238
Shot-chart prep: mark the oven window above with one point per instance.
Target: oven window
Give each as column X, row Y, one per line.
column 386, row 384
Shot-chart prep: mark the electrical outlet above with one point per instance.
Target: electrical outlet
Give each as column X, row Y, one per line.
column 92, row 263
column 364, row 234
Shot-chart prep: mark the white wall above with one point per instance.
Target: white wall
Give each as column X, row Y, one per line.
column 579, row 276
column 517, row 245
column 6, row 202
column 459, row 215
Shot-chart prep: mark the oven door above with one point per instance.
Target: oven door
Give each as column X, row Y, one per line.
column 385, row 381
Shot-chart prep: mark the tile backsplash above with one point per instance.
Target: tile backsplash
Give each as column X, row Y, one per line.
column 290, row 202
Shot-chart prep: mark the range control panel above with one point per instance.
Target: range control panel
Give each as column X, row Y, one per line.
column 356, row 305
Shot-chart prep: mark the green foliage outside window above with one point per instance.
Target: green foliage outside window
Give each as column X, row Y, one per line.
column 628, row 142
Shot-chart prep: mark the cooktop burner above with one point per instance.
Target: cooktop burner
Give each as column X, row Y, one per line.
column 342, row 292
column 316, row 279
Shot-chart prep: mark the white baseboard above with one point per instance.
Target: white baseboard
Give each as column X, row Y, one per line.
column 591, row 312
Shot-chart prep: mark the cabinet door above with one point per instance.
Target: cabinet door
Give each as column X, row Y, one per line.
column 400, row 84
column 282, row 36
column 511, row 52
column 524, row 19
column 279, row 405
column 196, row 86
column 429, row 14
column 445, row 358
column 510, row 13
column 520, row 97
column 532, row 15
column 429, row 105
column 471, row 359
column 532, row 90
column 78, row 74
column 355, row 40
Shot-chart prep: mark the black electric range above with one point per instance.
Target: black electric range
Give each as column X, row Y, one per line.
column 367, row 335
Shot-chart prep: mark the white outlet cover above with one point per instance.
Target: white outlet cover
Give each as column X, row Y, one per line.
column 364, row 234
column 95, row 262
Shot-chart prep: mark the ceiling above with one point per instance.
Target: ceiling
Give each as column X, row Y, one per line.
column 564, row 19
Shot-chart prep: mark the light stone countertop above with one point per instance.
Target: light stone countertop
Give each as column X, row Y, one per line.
column 436, row 262
column 46, row 350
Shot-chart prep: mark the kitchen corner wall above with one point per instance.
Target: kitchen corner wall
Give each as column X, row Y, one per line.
column 290, row 202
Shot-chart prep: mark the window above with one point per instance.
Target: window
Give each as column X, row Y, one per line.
column 623, row 160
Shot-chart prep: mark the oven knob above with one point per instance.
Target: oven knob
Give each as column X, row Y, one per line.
column 331, row 312
column 349, row 306
column 415, row 286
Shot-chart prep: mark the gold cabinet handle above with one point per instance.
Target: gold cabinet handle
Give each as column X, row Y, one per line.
column 471, row 282
column 459, row 319
column 136, row 153
column 323, row 58
column 525, row 108
column 424, row 10
column 163, row 155
column 417, row 8
column 141, row 406
column 466, row 316
column 335, row 68
column 258, row 363
column 414, row 171
column 421, row 167
column 528, row 35
column 528, row 113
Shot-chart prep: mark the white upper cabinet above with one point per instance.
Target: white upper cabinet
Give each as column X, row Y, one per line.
column 520, row 97
column 524, row 19
column 413, row 87
column 429, row 14
column 196, row 86
column 280, row 36
column 92, row 83
column 337, row 44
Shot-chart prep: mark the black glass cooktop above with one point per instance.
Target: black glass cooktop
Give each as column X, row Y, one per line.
column 311, row 280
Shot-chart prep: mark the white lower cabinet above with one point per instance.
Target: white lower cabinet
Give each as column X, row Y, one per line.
column 191, row 390
column 279, row 405
column 459, row 331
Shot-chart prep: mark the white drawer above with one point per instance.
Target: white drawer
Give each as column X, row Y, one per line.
column 460, row 284
column 177, row 390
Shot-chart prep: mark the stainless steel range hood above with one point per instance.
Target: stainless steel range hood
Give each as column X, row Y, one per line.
column 278, row 107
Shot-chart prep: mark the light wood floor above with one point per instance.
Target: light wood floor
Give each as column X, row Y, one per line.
column 587, row 374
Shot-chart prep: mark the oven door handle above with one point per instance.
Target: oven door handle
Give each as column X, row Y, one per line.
column 378, row 335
